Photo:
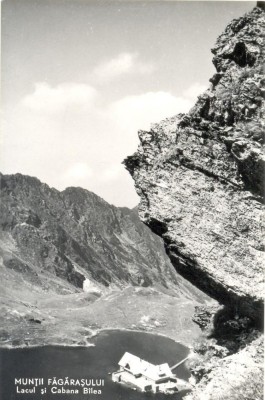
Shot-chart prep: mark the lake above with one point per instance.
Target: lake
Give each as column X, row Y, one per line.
column 95, row 362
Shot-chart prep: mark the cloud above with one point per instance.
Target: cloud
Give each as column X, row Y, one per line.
column 194, row 91
column 67, row 135
column 138, row 112
column 123, row 64
column 59, row 98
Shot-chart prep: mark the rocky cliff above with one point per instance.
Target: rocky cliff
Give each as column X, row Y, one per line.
column 200, row 177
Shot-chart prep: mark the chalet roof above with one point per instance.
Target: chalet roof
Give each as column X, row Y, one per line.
column 138, row 366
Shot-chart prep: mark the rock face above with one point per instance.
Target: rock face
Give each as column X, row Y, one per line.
column 74, row 236
column 200, row 176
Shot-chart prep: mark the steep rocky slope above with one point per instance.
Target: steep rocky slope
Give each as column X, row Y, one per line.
column 200, row 177
column 77, row 237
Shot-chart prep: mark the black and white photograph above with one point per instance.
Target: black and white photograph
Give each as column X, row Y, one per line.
column 132, row 174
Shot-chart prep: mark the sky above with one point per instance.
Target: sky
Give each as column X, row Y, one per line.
column 81, row 77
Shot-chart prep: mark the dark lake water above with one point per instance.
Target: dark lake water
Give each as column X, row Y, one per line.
column 90, row 362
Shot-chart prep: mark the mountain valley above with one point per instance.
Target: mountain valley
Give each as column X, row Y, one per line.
column 73, row 264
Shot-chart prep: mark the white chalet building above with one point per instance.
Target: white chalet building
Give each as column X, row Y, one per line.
column 142, row 375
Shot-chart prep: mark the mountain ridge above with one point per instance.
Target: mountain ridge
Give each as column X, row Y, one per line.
column 76, row 235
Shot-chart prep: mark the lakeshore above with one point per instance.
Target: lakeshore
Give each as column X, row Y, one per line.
column 72, row 320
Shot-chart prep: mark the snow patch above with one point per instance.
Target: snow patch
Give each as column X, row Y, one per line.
column 89, row 287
